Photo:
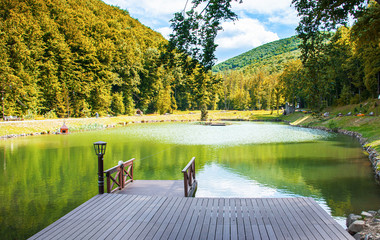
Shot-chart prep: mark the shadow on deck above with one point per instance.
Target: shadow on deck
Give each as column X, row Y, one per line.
column 169, row 188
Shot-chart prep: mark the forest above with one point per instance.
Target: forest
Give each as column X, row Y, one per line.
column 272, row 54
column 344, row 69
column 75, row 58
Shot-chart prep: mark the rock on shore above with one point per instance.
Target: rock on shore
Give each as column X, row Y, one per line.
column 365, row 226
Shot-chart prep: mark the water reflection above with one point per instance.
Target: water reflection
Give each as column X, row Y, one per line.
column 219, row 181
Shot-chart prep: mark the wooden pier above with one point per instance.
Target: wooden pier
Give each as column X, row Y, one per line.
column 120, row 216
column 153, row 209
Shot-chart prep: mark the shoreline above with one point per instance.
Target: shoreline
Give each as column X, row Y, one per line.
column 373, row 155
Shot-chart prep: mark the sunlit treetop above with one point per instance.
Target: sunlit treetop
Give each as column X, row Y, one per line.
column 321, row 16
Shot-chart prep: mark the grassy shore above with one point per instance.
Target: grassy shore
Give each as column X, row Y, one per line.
column 368, row 126
column 45, row 126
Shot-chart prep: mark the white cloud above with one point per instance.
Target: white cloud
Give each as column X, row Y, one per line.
column 165, row 31
column 245, row 33
column 151, row 8
column 287, row 17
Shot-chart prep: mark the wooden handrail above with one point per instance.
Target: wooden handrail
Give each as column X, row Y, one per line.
column 123, row 176
column 190, row 183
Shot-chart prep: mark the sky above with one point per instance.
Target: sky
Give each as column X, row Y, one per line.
column 260, row 22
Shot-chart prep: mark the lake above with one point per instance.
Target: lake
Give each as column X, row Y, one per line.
column 44, row 177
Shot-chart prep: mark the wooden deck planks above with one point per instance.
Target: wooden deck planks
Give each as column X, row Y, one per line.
column 119, row 216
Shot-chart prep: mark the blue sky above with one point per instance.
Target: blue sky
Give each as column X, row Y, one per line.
column 260, row 22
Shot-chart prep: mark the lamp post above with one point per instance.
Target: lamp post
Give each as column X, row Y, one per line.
column 100, row 150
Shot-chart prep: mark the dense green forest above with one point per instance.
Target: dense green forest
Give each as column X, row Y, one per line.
column 272, row 54
column 78, row 57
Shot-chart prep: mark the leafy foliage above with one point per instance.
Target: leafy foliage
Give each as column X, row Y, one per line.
column 319, row 16
column 194, row 32
column 78, row 57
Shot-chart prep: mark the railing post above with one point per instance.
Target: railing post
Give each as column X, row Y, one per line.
column 185, row 184
column 132, row 171
column 108, row 182
column 121, row 177
column 190, row 184
column 194, row 169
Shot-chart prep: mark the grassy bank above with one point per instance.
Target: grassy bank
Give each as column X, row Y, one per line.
column 42, row 126
column 368, row 126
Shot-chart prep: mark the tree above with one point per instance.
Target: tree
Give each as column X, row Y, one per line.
column 194, row 32
column 319, row 16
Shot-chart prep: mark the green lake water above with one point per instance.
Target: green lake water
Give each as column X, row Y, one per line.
column 44, row 177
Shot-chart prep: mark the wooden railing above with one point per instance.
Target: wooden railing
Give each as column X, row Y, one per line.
column 190, row 183
column 119, row 176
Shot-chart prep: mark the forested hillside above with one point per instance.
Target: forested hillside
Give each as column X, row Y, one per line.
column 78, row 57
column 344, row 69
column 272, row 55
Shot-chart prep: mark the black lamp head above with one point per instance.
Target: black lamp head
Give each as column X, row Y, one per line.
column 100, row 148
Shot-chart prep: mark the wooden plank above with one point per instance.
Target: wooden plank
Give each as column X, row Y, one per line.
column 166, row 221
column 246, row 219
column 201, row 217
column 61, row 220
column 325, row 233
column 326, row 219
column 178, row 225
column 272, row 219
column 293, row 223
column 259, row 219
column 153, row 224
column 228, row 221
column 184, row 226
column 214, row 216
column 110, row 226
column 303, row 217
column 93, row 217
column 304, row 224
column 269, row 227
column 219, row 220
column 239, row 217
column 177, row 214
column 117, row 216
column 207, row 220
column 281, row 219
column 135, row 229
column 108, row 219
column 252, row 219
column 194, row 218
column 129, row 216
column 78, row 216
column 138, row 217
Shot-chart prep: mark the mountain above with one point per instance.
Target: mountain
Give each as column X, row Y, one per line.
column 271, row 55
column 72, row 57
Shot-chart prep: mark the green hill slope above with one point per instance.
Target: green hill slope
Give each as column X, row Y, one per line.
column 272, row 55
column 72, row 57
